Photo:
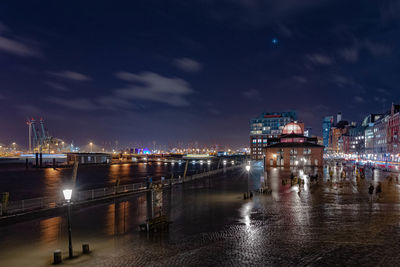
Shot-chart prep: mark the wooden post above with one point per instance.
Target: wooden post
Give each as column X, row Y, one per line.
column 57, row 256
column 186, row 168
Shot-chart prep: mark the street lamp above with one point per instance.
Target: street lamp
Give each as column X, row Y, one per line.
column 91, row 147
column 67, row 195
column 248, row 176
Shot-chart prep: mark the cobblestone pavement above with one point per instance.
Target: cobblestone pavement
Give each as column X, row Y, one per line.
column 333, row 223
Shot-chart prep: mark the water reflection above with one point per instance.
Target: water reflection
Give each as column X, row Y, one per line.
column 110, row 223
column 50, row 230
column 52, row 181
column 49, row 182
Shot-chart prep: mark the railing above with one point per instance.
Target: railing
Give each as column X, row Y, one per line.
column 33, row 204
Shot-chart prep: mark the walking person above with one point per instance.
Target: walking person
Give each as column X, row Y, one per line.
column 378, row 190
column 371, row 191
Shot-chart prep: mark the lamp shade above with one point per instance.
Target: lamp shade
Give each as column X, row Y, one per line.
column 67, row 194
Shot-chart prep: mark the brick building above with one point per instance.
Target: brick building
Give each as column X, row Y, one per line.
column 294, row 149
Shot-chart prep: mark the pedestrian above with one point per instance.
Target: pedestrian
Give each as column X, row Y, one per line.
column 378, row 190
column 291, row 178
column 370, row 191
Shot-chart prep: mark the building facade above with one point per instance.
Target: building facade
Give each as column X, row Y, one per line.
column 294, row 149
column 267, row 125
column 335, row 136
column 377, row 138
column 327, row 123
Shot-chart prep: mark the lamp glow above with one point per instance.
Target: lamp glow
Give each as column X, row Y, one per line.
column 248, row 168
column 67, row 194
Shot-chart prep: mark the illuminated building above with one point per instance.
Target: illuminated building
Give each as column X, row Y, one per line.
column 326, row 128
column 294, row 149
column 267, row 125
column 393, row 139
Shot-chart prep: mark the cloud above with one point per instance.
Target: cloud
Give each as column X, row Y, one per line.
column 77, row 103
column 300, row 79
column 28, row 109
column 57, row 86
column 359, row 99
column 390, row 10
column 383, row 91
column 113, row 102
column 380, row 99
column 3, row 28
column 17, row 48
column 377, row 49
column 188, row 64
column 251, row 93
column 319, row 59
column 214, row 111
column 284, row 30
column 70, row 75
column 12, row 45
column 343, row 81
column 153, row 87
column 350, row 54
column 259, row 12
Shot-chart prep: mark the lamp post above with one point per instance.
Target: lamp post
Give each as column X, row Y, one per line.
column 248, row 176
column 91, row 147
column 67, row 195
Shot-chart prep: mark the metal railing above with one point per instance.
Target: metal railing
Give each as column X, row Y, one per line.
column 33, row 204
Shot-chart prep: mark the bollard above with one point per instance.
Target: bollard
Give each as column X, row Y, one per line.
column 57, row 256
column 85, row 248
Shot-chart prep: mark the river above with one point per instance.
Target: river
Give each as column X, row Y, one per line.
column 24, row 183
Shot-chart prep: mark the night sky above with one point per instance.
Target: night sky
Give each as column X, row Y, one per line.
column 186, row 71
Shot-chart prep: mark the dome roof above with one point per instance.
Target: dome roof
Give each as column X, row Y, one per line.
column 292, row 128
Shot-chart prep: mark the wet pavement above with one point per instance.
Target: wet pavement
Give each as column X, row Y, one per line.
column 333, row 223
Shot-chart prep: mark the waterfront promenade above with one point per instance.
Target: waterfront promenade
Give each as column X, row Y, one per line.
column 332, row 223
